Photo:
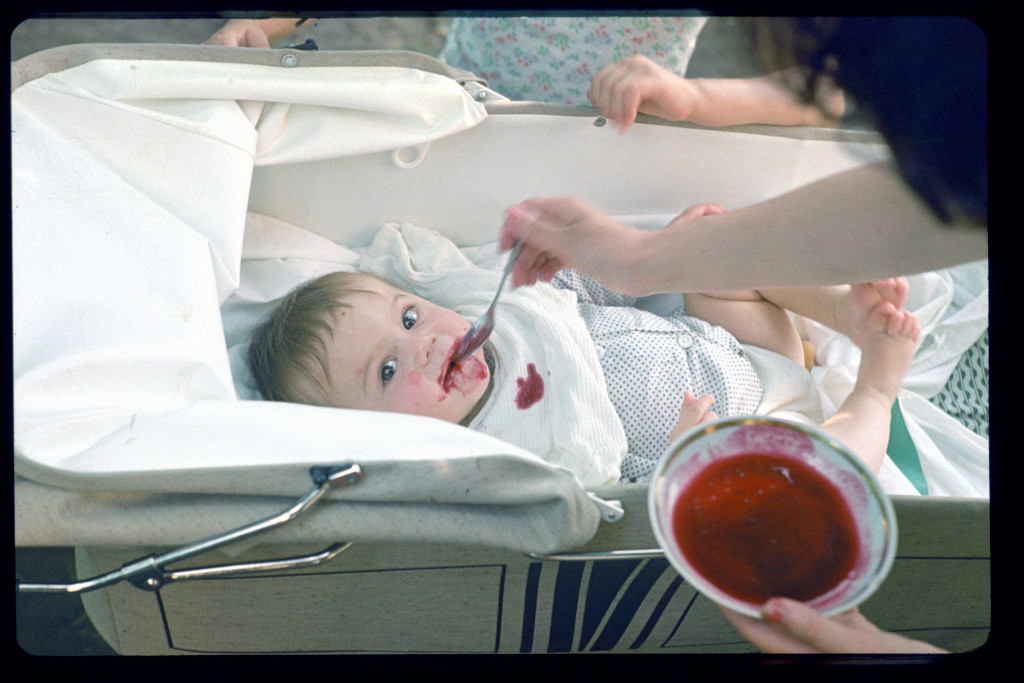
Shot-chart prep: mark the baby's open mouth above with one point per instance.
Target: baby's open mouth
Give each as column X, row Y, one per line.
column 448, row 368
column 463, row 374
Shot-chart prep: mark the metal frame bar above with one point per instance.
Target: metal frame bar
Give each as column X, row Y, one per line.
column 150, row 573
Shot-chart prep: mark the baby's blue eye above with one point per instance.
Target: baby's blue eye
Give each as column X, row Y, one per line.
column 409, row 317
column 388, row 370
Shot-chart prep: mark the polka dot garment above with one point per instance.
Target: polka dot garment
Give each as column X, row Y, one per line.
column 553, row 59
column 650, row 360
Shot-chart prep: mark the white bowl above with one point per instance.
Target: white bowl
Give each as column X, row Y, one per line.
column 765, row 530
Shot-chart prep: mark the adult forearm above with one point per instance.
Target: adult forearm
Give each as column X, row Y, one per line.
column 764, row 99
column 855, row 226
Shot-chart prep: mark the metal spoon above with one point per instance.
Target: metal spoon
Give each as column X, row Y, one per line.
column 480, row 331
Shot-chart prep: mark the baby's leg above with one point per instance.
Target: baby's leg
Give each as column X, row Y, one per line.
column 760, row 317
column 844, row 308
column 888, row 339
column 749, row 317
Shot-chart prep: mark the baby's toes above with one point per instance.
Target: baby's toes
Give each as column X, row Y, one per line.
column 911, row 327
column 893, row 290
column 883, row 316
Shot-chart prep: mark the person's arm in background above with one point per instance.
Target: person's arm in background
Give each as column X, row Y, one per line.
column 638, row 85
column 254, row 32
column 859, row 225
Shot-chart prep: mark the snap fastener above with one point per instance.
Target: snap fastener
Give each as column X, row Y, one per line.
column 684, row 340
column 600, row 351
column 289, row 60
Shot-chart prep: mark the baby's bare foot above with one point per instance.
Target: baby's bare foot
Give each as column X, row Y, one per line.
column 857, row 318
column 889, row 339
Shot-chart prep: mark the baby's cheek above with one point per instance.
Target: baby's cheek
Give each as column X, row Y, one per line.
column 420, row 394
column 415, row 386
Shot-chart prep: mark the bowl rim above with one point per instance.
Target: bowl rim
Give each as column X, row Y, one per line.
column 707, row 588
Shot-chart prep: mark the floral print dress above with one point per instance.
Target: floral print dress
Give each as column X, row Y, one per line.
column 552, row 59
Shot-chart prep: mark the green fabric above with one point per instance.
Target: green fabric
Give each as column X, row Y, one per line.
column 902, row 451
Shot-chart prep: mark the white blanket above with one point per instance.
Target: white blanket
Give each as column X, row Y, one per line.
column 131, row 182
column 952, row 306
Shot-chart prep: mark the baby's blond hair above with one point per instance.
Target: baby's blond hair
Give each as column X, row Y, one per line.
column 288, row 350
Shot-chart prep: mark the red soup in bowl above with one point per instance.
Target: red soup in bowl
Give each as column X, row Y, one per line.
column 752, row 508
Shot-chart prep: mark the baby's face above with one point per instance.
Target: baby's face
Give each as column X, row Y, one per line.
column 391, row 351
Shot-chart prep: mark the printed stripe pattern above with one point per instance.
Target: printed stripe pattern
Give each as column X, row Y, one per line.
column 965, row 396
column 595, row 605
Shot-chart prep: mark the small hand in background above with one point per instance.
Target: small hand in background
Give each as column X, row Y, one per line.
column 636, row 84
column 695, row 411
column 700, row 210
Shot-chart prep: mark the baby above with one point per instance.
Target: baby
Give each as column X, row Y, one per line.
column 353, row 340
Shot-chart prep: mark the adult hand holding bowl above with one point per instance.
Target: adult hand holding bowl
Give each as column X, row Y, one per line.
column 752, row 508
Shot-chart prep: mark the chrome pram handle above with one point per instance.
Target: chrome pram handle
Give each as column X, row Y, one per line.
column 149, row 573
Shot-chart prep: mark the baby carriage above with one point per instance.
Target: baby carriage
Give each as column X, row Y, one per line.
column 166, row 196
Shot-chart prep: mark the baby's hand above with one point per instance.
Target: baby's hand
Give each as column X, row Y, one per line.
column 700, row 210
column 694, row 412
column 696, row 211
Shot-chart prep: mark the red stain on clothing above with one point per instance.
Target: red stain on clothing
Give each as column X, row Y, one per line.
column 531, row 388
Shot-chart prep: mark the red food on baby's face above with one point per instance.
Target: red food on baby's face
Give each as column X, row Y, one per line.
column 391, row 351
